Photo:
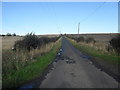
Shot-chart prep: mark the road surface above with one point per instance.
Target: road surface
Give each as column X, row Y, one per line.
column 73, row 70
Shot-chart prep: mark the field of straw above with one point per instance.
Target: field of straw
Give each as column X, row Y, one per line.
column 98, row 37
column 8, row 41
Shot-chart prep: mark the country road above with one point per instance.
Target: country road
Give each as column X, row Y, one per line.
column 72, row 70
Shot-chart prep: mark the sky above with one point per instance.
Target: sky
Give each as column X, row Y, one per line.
column 59, row 17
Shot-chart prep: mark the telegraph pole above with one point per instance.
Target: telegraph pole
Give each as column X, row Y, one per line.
column 78, row 27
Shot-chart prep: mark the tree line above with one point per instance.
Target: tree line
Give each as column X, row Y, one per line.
column 8, row 34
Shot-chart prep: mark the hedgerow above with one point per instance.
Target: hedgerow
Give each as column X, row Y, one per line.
column 31, row 41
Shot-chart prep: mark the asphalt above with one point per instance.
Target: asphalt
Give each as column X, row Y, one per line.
column 72, row 69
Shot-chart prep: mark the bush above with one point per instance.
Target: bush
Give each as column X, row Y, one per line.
column 74, row 38
column 3, row 35
column 8, row 34
column 115, row 43
column 31, row 41
column 90, row 39
column 80, row 39
column 13, row 34
column 109, row 48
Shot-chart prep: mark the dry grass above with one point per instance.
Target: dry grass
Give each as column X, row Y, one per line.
column 43, row 49
column 102, row 41
column 8, row 54
column 98, row 37
column 8, row 41
column 15, row 60
column 98, row 45
column 18, row 59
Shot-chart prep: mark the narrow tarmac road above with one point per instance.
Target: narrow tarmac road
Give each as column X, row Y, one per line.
column 72, row 70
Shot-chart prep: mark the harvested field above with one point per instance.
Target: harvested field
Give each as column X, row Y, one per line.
column 98, row 37
column 8, row 41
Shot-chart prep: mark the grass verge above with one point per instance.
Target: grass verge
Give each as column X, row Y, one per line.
column 31, row 71
column 113, row 59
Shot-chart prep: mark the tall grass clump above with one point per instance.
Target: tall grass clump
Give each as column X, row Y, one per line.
column 90, row 39
column 111, row 48
column 103, row 50
column 80, row 39
column 115, row 43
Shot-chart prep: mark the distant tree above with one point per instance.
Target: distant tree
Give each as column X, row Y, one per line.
column 90, row 39
column 61, row 34
column 3, row 35
column 29, row 42
column 13, row 34
column 8, row 34
column 65, row 34
column 115, row 43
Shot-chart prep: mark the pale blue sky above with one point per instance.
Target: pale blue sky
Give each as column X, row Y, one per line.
column 53, row 18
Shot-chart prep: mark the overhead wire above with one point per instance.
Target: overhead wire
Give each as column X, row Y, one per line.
column 52, row 11
column 92, row 13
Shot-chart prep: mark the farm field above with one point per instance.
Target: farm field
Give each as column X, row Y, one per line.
column 9, row 41
column 104, row 37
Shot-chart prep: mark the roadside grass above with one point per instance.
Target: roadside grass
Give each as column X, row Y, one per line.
column 109, row 58
column 16, row 78
column 15, row 60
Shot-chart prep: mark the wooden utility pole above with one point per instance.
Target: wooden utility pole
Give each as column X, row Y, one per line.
column 78, row 27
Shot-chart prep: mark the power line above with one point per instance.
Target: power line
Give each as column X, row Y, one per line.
column 93, row 12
